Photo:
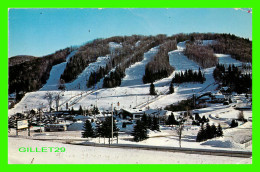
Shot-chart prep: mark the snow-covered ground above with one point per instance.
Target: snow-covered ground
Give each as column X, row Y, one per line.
column 75, row 154
column 133, row 93
column 134, row 74
column 228, row 60
column 81, row 82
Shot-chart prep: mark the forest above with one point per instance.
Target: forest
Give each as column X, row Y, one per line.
column 160, row 66
column 31, row 75
column 232, row 77
column 203, row 55
column 189, row 76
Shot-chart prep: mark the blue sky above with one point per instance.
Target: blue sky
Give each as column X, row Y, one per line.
column 40, row 32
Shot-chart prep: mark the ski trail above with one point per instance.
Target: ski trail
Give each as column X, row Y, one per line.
column 135, row 73
column 55, row 73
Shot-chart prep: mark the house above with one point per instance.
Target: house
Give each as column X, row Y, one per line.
column 218, row 98
column 137, row 114
column 226, row 91
column 81, row 118
column 203, row 99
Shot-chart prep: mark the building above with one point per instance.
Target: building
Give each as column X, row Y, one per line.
column 137, row 114
column 218, row 98
column 226, row 91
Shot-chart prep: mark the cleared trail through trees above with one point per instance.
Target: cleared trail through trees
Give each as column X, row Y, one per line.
column 55, row 73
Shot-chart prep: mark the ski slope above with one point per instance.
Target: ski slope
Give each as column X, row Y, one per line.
column 81, row 82
column 55, row 73
column 132, row 92
column 228, row 60
column 134, row 74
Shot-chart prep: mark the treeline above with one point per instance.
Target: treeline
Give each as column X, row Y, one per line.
column 209, row 132
column 238, row 48
column 19, row 59
column 232, row 77
column 31, row 75
column 184, row 105
column 189, row 76
column 160, row 66
column 102, row 129
column 203, row 55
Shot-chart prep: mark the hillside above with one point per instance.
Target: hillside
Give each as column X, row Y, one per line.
column 104, row 62
column 16, row 60
column 31, row 75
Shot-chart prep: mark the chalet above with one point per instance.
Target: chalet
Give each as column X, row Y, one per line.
column 137, row 114
column 226, row 91
column 218, row 98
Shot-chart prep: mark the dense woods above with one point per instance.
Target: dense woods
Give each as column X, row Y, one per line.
column 189, row 76
column 160, row 67
column 31, row 75
column 238, row 48
column 20, row 59
column 209, row 132
column 232, row 77
column 203, row 55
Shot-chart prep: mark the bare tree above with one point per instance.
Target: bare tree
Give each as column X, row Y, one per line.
column 57, row 98
column 240, row 116
column 61, row 85
column 49, row 97
column 179, row 130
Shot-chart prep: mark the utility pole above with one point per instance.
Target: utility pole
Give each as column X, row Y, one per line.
column 135, row 101
column 16, row 127
column 112, row 124
column 40, row 113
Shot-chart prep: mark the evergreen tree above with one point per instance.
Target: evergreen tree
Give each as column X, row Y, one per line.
column 140, row 131
column 171, row 88
column 88, row 130
column 95, row 110
column 72, row 110
column 155, row 124
column 144, row 119
column 149, row 121
column 219, row 131
column 233, row 123
column 124, row 125
column 201, row 136
column 208, row 132
column 80, row 110
column 99, row 130
column 171, row 120
column 197, row 117
column 152, row 89
column 107, row 128
column 203, row 120
column 213, row 131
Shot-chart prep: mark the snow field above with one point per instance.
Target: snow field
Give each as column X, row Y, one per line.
column 75, row 154
column 133, row 92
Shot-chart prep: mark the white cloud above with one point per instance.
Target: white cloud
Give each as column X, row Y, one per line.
column 248, row 10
